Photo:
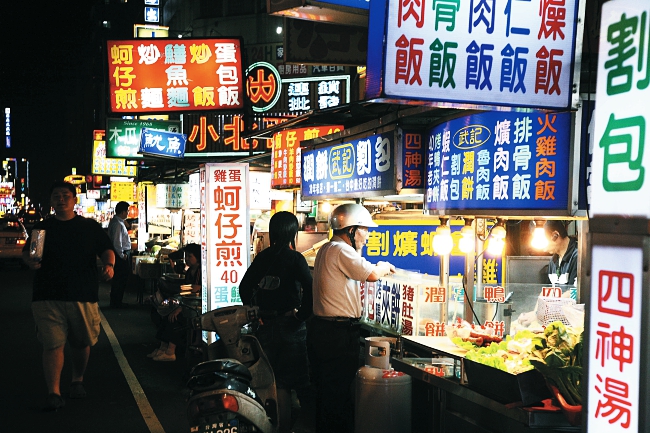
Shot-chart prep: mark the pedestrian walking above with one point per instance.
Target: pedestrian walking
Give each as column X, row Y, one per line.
column 66, row 290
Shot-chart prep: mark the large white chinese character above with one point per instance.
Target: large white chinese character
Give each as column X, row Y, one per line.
column 523, row 130
column 228, row 95
column 382, row 154
column 521, row 186
column 502, row 132
column 152, row 98
column 364, row 156
column 501, row 159
column 321, row 165
column 149, row 54
column 227, row 74
column 500, row 190
column 176, row 75
column 521, row 157
column 225, row 53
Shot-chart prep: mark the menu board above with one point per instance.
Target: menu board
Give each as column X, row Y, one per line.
column 500, row 160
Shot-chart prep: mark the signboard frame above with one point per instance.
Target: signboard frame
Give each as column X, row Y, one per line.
column 376, row 83
column 571, row 209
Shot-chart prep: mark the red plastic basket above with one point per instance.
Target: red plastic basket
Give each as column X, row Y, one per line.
column 572, row 413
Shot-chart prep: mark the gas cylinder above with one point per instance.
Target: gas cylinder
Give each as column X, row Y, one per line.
column 382, row 395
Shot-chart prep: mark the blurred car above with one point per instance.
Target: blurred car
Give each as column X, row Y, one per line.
column 29, row 218
column 13, row 237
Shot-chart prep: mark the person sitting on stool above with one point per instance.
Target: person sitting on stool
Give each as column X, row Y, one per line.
column 170, row 321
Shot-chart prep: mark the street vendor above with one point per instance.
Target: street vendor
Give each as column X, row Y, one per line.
column 563, row 266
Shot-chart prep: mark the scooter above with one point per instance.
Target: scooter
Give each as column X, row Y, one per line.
column 234, row 391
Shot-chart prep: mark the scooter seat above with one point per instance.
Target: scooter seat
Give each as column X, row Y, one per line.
column 227, row 366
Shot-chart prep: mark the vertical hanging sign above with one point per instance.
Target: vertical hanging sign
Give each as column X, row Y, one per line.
column 615, row 339
column 227, row 231
column 618, row 183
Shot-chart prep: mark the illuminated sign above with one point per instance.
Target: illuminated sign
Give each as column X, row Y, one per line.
column 124, row 135
column 151, row 15
column 150, row 31
column 110, row 166
column 617, row 337
column 286, row 154
column 515, row 53
column 213, row 133
column 267, row 91
column 7, row 128
column 163, row 144
column 122, row 191
column 225, row 220
column 263, row 86
column 620, row 158
column 158, row 75
column 355, row 169
column 500, row 160
column 413, row 162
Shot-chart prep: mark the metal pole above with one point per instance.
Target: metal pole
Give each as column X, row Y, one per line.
column 444, row 283
column 468, row 312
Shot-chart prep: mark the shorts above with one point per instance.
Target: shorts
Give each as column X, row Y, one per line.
column 59, row 321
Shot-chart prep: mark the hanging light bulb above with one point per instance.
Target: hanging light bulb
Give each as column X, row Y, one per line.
column 539, row 240
column 467, row 240
column 497, row 238
column 442, row 241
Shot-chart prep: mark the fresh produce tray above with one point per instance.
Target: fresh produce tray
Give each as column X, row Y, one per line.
column 528, row 387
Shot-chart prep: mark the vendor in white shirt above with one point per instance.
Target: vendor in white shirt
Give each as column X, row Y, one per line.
column 563, row 266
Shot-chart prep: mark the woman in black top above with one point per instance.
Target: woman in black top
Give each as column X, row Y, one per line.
column 282, row 331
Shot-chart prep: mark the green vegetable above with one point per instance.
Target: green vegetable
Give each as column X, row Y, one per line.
column 558, row 356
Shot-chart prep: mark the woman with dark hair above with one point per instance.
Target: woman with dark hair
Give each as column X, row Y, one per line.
column 169, row 318
column 285, row 303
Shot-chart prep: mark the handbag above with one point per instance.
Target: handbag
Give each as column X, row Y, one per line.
column 164, row 305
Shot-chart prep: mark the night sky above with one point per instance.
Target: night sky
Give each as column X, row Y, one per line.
column 46, row 78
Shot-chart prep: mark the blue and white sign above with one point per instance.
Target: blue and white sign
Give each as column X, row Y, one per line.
column 7, row 128
column 474, row 54
column 163, row 144
column 151, row 15
column 355, row 169
column 498, row 161
column 152, row 2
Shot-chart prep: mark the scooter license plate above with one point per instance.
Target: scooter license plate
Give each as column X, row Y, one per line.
column 231, row 426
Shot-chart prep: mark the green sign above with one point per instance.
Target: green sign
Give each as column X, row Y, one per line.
column 123, row 135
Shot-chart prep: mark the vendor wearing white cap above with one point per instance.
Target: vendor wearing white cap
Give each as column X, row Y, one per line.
column 563, row 266
column 334, row 329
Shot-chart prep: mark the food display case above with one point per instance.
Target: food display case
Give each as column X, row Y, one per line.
column 448, row 396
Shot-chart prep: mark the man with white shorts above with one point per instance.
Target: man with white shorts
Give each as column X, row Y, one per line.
column 66, row 290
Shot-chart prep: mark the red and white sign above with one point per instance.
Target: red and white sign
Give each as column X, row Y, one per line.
column 286, row 156
column 161, row 75
column 227, row 232
column 615, row 339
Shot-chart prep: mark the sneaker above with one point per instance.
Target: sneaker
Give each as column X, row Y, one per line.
column 77, row 390
column 165, row 357
column 155, row 353
column 54, row 403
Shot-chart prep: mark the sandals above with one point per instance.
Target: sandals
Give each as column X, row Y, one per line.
column 77, row 390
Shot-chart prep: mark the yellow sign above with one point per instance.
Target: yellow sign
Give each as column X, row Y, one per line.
column 75, row 179
column 110, row 166
column 123, row 191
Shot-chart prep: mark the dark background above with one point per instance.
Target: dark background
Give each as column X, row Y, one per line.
column 48, row 78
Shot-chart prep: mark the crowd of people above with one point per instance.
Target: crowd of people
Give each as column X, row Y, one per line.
column 309, row 326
